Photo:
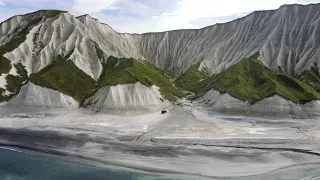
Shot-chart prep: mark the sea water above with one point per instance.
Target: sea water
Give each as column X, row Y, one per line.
column 20, row 166
column 15, row 165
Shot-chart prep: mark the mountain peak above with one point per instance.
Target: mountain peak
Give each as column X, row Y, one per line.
column 88, row 18
column 48, row 12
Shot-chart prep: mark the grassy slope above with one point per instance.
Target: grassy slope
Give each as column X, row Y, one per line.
column 114, row 75
column 189, row 79
column 5, row 64
column 124, row 71
column 249, row 80
column 14, row 83
column 2, row 98
column 99, row 52
column 311, row 77
column 66, row 77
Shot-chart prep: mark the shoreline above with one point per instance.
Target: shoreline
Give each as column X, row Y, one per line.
column 181, row 142
column 83, row 160
column 281, row 173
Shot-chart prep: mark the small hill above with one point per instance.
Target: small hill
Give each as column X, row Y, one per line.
column 249, row 80
column 189, row 79
column 129, row 71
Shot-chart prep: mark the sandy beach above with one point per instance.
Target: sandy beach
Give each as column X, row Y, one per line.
column 186, row 140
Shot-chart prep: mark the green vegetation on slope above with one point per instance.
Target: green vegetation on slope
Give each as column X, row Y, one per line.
column 63, row 75
column 51, row 12
column 11, row 45
column 311, row 77
column 249, row 80
column 14, row 83
column 2, row 97
column 126, row 71
column 100, row 53
column 116, row 72
column 189, row 79
column 5, row 64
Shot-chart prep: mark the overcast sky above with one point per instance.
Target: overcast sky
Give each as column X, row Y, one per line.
column 138, row 16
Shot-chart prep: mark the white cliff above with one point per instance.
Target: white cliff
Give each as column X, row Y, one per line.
column 33, row 95
column 127, row 97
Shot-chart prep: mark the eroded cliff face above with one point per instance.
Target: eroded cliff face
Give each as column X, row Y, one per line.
column 287, row 37
column 127, row 97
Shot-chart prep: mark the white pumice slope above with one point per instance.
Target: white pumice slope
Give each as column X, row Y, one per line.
column 127, row 97
column 287, row 37
column 57, row 36
column 111, row 42
column 33, row 95
column 64, row 34
column 271, row 106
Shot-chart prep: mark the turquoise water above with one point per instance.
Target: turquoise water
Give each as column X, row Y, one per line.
column 20, row 166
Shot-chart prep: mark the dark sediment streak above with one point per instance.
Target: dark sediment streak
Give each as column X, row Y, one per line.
column 304, row 151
